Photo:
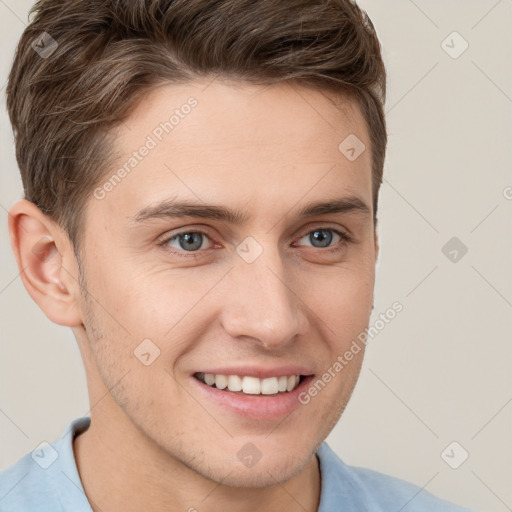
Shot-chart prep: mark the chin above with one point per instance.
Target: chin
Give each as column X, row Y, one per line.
column 271, row 473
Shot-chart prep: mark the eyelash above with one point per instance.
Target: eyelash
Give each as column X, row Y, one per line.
column 345, row 239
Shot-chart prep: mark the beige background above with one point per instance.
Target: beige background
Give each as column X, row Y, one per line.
column 440, row 371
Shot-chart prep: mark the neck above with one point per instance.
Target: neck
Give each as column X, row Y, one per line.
column 121, row 469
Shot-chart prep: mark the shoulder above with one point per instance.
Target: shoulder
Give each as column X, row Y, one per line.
column 26, row 485
column 45, row 479
column 367, row 489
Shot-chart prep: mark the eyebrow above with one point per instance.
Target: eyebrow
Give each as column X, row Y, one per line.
column 170, row 208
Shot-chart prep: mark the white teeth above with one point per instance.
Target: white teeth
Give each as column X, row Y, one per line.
column 252, row 385
column 234, row 383
column 269, row 386
column 283, row 381
column 221, row 381
column 291, row 383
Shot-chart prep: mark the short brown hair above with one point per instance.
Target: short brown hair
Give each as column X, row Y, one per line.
column 107, row 54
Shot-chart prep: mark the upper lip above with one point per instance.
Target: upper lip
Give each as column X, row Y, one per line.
column 260, row 372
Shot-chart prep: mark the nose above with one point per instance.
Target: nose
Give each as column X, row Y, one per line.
column 263, row 303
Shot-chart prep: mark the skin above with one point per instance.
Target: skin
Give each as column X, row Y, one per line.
column 154, row 442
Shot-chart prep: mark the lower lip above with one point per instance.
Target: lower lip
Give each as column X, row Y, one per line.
column 256, row 407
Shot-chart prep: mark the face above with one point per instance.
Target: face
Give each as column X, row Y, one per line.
column 266, row 290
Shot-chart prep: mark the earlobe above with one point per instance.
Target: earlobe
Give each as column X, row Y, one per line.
column 42, row 250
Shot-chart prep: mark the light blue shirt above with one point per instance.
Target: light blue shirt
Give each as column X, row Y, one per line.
column 47, row 480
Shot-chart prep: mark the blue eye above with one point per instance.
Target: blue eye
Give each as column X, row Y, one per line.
column 323, row 236
column 189, row 241
column 192, row 242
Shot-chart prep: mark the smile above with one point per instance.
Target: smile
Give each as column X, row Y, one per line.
column 251, row 397
column 250, row 385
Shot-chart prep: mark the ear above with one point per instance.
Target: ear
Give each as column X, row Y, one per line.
column 47, row 263
column 377, row 246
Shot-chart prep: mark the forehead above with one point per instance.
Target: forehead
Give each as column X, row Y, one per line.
column 228, row 142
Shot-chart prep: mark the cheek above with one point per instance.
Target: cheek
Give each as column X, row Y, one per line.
column 156, row 310
column 343, row 298
column 148, row 278
column 130, row 359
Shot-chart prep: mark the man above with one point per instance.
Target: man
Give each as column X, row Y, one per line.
column 201, row 186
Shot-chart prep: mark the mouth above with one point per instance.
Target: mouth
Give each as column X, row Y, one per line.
column 250, row 397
